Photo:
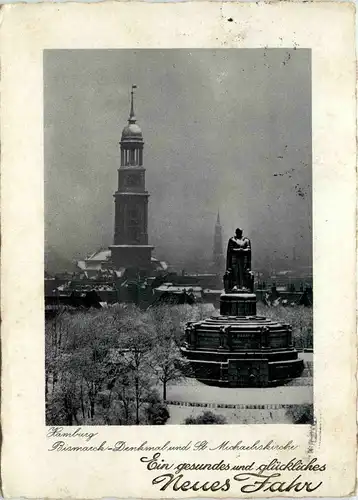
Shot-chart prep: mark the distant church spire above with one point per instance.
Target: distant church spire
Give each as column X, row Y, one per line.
column 218, row 256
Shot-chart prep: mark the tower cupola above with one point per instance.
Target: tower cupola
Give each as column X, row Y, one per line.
column 132, row 139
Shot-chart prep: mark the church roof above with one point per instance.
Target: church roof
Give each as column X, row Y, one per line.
column 100, row 255
column 96, row 259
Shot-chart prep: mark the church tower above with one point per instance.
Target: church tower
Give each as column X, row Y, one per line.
column 218, row 256
column 130, row 248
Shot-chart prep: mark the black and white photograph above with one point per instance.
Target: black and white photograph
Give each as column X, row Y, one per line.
column 178, row 286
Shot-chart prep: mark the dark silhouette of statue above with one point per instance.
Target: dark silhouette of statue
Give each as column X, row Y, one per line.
column 238, row 274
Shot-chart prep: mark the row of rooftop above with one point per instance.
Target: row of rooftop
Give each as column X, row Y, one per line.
column 166, row 288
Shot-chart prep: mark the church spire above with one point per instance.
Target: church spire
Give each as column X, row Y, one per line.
column 130, row 247
column 218, row 256
column 132, row 118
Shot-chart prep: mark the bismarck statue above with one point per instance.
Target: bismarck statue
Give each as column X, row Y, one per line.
column 239, row 348
column 238, row 275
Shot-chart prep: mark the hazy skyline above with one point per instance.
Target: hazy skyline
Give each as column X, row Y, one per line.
column 225, row 129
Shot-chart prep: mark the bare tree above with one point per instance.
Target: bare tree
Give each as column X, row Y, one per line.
column 165, row 359
column 136, row 339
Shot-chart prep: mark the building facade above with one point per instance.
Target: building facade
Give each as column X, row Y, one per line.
column 130, row 247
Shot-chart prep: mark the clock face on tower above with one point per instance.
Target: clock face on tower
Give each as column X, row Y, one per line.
column 132, row 180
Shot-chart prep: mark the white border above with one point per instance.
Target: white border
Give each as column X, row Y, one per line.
column 328, row 29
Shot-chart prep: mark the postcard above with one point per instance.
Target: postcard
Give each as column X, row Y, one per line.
column 178, row 195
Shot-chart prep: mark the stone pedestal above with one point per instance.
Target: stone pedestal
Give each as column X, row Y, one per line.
column 238, row 304
column 239, row 348
column 250, row 371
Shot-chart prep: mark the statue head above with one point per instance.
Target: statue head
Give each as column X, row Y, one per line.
column 238, row 232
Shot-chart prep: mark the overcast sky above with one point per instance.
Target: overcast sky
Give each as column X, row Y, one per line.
column 217, row 125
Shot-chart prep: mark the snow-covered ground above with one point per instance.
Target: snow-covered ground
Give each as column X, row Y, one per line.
column 282, row 395
column 248, row 402
column 178, row 414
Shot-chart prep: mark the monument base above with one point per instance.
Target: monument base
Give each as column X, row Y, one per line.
column 254, row 369
column 238, row 304
column 240, row 349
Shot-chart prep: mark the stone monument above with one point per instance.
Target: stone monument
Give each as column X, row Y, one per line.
column 239, row 348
